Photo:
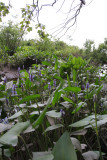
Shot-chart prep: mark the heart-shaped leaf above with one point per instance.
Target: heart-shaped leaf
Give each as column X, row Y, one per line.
column 53, row 127
column 90, row 155
column 11, row 137
column 53, row 114
column 64, row 150
column 76, row 144
column 83, row 122
column 17, row 114
column 51, row 120
column 42, row 156
column 4, row 127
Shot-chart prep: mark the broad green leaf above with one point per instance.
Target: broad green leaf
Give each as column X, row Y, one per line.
column 72, row 89
column 22, row 105
column 7, row 152
column 83, row 122
column 56, row 126
column 79, row 106
column 35, row 112
column 56, row 63
column 76, row 144
column 29, row 98
column 46, row 63
column 4, row 127
column 73, row 60
column 2, row 88
column 66, row 104
column 74, row 75
column 67, row 99
column 17, row 114
column 53, row 114
column 99, row 89
column 29, row 29
column 69, row 83
column 40, row 118
column 99, row 123
column 29, row 129
column 97, row 152
column 56, row 97
column 101, row 119
column 24, row 74
column 90, row 155
column 64, row 150
column 51, row 120
column 35, row 105
column 79, row 132
column 57, row 77
column 42, row 115
column 42, row 156
column 11, row 137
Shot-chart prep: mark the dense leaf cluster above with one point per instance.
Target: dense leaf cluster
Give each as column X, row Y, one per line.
column 53, row 115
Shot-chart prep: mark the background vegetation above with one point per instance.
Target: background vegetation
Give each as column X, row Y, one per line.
column 15, row 50
column 57, row 106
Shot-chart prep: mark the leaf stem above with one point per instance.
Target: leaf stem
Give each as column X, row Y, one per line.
column 25, row 147
column 96, row 130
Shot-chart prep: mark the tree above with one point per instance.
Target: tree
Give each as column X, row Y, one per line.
column 102, row 52
column 10, row 38
column 34, row 8
column 89, row 46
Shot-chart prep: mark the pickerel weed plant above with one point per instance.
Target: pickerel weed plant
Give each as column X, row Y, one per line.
column 51, row 110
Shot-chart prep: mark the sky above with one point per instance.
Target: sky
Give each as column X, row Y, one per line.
column 91, row 22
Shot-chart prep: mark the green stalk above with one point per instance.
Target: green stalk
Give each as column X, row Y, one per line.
column 39, row 142
column 96, row 130
column 2, row 152
column 45, row 137
column 25, row 147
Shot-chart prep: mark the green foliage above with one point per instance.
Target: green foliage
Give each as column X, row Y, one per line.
column 89, row 46
column 100, row 55
column 64, row 148
column 11, row 136
column 45, row 107
column 28, row 55
column 3, row 57
column 10, row 38
column 4, row 10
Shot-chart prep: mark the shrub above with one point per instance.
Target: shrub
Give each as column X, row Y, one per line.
column 10, row 38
